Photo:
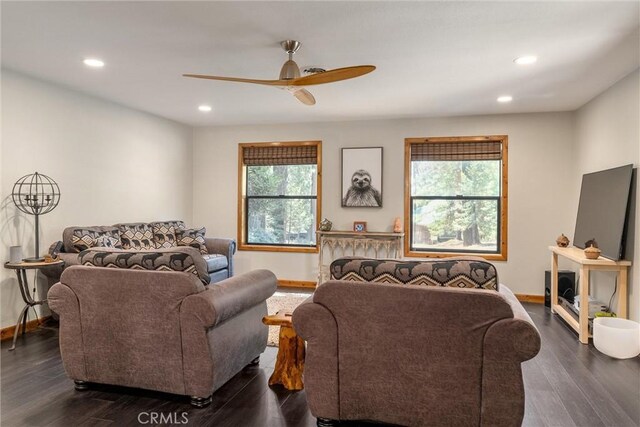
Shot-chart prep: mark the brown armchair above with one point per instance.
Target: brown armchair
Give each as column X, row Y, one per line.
column 159, row 330
column 415, row 355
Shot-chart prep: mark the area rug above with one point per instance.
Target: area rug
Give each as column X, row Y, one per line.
column 283, row 300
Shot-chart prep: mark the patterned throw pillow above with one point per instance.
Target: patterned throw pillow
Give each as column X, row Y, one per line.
column 137, row 236
column 178, row 225
column 106, row 241
column 193, row 237
column 164, row 235
column 85, row 238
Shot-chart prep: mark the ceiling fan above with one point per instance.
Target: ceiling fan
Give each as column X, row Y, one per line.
column 290, row 79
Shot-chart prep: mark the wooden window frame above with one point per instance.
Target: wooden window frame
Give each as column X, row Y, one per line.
column 242, row 187
column 504, row 207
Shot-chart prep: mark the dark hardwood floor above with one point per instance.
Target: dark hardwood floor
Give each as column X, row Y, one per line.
column 567, row 384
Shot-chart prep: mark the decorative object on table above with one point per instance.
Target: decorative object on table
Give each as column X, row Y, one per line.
column 49, row 259
column 291, row 353
column 21, row 271
column 359, row 226
column 591, row 242
column 325, row 225
column 397, row 225
column 592, row 252
column 562, row 241
column 36, row 194
column 15, row 254
column 362, row 177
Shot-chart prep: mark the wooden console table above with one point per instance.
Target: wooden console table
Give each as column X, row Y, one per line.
column 352, row 243
column 586, row 266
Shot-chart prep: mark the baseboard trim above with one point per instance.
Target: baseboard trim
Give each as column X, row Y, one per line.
column 535, row 299
column 283, row 283
column 7, row 332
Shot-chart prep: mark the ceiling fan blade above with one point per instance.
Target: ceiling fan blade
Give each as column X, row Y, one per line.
column 332, row 76
column 239, row 80
column 304, row 96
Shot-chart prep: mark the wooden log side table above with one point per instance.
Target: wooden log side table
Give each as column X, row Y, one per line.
column 291, row 352
column 21, row 271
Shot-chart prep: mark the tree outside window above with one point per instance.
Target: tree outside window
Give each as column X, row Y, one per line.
column 456, row 196
column 279, row 185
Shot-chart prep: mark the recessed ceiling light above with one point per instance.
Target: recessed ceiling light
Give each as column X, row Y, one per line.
column 505, row 98
column 526, row 60
column 93, row 62
column 204, row 108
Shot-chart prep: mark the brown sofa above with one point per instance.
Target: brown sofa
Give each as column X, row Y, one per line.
column 159, row 330
column 446, row 354
column 218, row 259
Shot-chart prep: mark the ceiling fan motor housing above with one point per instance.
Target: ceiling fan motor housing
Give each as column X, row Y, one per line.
column 290, row 69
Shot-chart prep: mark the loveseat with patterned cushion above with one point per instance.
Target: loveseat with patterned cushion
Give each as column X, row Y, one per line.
column 216, row 253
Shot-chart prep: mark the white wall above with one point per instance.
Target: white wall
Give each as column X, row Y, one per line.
column 113, row 164
column 116, row 164
column 540, row 182
column 607, row 135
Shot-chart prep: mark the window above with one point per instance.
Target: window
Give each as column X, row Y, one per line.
column 456, row 196
column 279, row 196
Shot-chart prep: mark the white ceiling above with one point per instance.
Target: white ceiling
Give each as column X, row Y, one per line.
column 433, row 58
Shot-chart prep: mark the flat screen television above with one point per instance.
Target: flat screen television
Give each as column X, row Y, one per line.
column 602, row 211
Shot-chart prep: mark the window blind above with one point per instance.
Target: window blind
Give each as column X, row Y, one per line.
column 475, row 150
column 280, row 155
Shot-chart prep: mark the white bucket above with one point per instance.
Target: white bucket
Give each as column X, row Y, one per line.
column 619, row 338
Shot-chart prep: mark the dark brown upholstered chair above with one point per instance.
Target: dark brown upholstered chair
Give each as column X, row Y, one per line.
column 415, row 355
column 159, row 330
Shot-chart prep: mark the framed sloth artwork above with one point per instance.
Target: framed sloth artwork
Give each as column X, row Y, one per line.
column 362, row 177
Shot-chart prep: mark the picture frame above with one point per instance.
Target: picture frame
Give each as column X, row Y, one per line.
column 360, row 226
column 362, row 177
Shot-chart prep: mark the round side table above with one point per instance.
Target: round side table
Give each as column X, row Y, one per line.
column 21, row 271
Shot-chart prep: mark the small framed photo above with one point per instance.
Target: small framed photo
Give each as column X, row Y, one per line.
column 359, row 226
column 362, row 177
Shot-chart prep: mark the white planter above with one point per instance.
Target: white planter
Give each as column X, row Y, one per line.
column 619, row 338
